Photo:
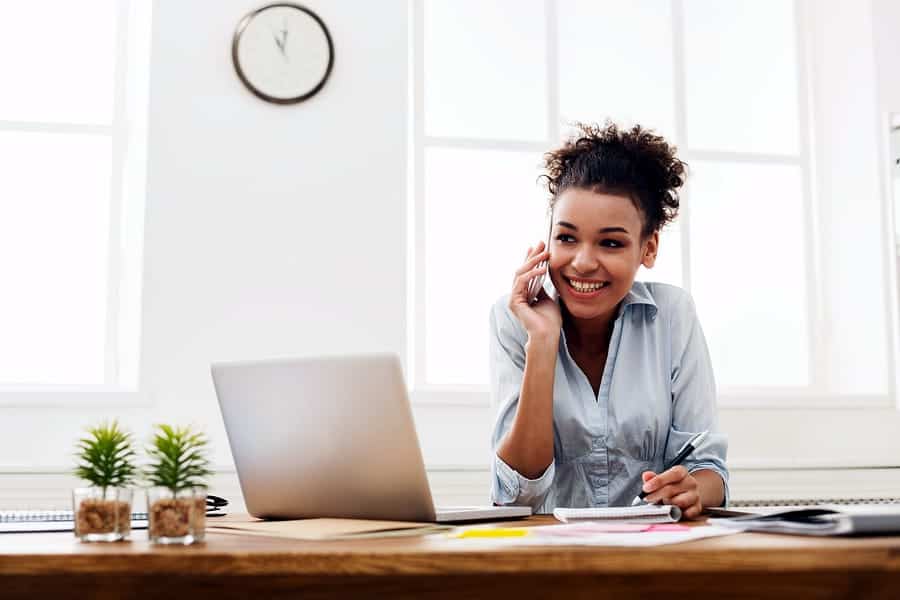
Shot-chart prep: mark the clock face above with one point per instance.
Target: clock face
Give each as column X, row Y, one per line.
column 283, row 53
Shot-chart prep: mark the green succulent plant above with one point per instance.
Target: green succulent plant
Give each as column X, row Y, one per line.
column 177, row 458
column 106, row 457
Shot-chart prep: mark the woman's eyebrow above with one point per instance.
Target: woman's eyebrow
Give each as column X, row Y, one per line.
column 601, row 230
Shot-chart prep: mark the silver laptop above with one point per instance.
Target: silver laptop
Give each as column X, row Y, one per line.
column 330, row 437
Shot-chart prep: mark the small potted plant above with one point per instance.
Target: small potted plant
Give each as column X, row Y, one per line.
column 176, row 504
column 105, row 460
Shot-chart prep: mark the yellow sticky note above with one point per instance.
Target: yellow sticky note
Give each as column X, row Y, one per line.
column 492, row 533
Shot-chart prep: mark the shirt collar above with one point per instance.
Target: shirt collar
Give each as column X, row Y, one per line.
column 639, row 294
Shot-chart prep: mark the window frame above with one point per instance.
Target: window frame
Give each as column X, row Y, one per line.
column 810, row 397
column 127, row 134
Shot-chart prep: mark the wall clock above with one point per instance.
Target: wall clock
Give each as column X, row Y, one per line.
column 282, row 52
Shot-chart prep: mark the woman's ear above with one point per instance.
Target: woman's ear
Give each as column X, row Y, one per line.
column 651, row 246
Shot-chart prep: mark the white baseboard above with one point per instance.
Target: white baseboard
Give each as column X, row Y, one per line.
column 466, row 486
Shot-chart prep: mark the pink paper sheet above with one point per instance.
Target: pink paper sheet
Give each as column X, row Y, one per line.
column 581, row 529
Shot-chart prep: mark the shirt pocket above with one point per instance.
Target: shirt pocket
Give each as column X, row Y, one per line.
column 637, row 440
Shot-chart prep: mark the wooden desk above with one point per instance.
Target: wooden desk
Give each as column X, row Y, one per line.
column 750, row 565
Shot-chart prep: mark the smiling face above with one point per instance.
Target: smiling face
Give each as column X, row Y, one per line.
column 595, row 250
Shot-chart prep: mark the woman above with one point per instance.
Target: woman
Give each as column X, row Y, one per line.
column 599, row 389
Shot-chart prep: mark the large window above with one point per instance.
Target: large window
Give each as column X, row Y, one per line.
column 781, row 239
column 71, row 193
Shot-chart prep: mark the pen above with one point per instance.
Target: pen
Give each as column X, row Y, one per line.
column 685, row 451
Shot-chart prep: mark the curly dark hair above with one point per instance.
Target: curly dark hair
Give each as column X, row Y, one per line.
column 634, row 162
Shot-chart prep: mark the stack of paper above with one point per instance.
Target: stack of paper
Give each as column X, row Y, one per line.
column 819, row 521
column 592, row 534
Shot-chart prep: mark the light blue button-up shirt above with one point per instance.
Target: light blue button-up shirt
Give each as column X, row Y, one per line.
column 656, row 392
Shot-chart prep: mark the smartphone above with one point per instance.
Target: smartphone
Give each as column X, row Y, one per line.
column 537, row 283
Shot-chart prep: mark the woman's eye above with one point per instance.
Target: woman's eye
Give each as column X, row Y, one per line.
column 565, row 237
column 612, row 244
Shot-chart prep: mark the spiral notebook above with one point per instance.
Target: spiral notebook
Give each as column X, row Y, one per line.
column 644, row 513
column 21, row 521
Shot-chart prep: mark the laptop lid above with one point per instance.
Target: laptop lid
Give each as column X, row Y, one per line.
column 317, row 437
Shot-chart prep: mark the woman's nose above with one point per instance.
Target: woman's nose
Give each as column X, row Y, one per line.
column 584, row 261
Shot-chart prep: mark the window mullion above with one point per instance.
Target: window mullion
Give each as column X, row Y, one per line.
column 680, row 100
column 743, row 157
column 416, row 261
column 551, row 17
column 815, row 286
column 46, row 127
column 118, row 147
column 483, row 144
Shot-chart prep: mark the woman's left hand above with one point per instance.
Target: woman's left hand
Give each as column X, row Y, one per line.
column 676, row 487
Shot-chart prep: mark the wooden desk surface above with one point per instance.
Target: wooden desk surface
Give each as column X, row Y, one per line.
column 748, row 565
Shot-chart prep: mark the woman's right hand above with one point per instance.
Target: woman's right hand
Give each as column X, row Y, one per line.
column 541, row 319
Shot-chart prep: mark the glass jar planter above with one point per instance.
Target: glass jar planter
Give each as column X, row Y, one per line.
column 102, row 514
column 176, row 517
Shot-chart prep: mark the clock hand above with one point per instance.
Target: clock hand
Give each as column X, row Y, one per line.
column 284, row 34
column 280, row 43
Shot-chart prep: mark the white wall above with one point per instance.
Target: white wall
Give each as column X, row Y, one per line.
column 886, row 18
column 886, row 26
column 270, row 230
column 887, row 55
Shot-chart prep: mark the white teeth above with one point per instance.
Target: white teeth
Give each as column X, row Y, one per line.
column 587, row 287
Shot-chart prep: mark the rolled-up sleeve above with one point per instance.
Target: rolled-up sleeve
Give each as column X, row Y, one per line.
column 507, row 369
column 694, row 396
column 511, row 487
